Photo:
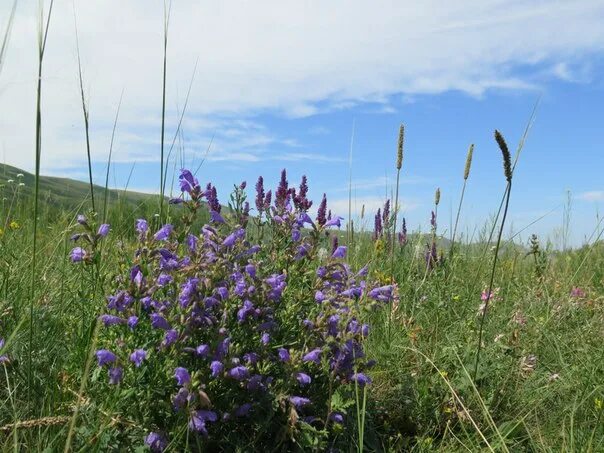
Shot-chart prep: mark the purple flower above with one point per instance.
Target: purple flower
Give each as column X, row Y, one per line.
column 332, row 325
column 182, row 376
column 300, row 200
column 336, row 417
column 386, row 213
column 244, row 312
column 321, row 219
column 299, row 401
column 313, row 356
column 180, row 399
column 251, row 358
column 239, row 373
column 251, row 270
column 103, row 230
column 260, row 194
column 188, row 183
column 141, row 226
column 111, row 320
column 577, row 292
column 215, row 217
column 3, row 358
column 188, row 291
column 335, row 221
column 377, row 228
column 212, row 196
column 340, row 252
column 163, row 233
column 104, row 357
column 267, row 200
column 319, row 296
column 200, row 418
column 283, row 354
column 361, row 379
column 170, row 338
column 156, row 442
column 203, row 350
column 282, row 194
column 163, row 279
column 402, row 236
column 77, row 254
column 296, row 235
column 138, row 356
column 265, row 339
column 159, row 322
column 115, row 375
column 303, row 378
column 243, row 410
column 192, row 242
column 132, row 321
column 217, row 368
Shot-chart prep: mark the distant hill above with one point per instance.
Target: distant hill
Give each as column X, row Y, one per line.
column 64, row 192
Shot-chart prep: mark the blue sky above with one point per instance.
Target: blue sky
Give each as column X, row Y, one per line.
column 280, row 85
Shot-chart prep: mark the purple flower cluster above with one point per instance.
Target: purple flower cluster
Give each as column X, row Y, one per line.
column 91, row 239
column 214, row 312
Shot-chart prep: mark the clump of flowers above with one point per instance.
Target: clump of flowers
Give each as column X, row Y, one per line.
column 88, row 253
column 233, row 338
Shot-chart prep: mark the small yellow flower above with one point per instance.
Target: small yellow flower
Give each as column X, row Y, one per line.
column 456, row 297
column 598, row 403
column 444, row 374
column 14, row 225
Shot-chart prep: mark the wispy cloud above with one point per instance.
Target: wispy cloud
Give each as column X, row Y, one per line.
column 594, row 195
column 293, row 59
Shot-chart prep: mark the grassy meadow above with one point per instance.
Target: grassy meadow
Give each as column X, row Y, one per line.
column 479, row 345
column 539, row 384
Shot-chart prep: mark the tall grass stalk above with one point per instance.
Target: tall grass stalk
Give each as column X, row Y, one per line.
column 167, row 9
column 7, row 32
column 466, row 175
column 117, row 114
column 85, row 110
column 508, row 172
column 178, row 129
column 504, row 196
column 42, row 36
column 349, row 222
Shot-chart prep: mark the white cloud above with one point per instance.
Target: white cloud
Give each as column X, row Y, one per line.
column 290, row 57
column 595, row 195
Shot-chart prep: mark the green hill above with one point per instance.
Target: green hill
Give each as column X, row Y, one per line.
column 62, row 193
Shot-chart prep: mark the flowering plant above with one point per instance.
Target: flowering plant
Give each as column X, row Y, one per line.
column 235, row 336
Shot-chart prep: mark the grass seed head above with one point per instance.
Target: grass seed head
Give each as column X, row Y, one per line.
column 399, row 153
column 466, row 172
column 507, row 158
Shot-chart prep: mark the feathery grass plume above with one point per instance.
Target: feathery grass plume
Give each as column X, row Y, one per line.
column 507, row 169
column 437, row 196
column 362, row 212
column 399, row 153
column 507, row 158
column 466, row 172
